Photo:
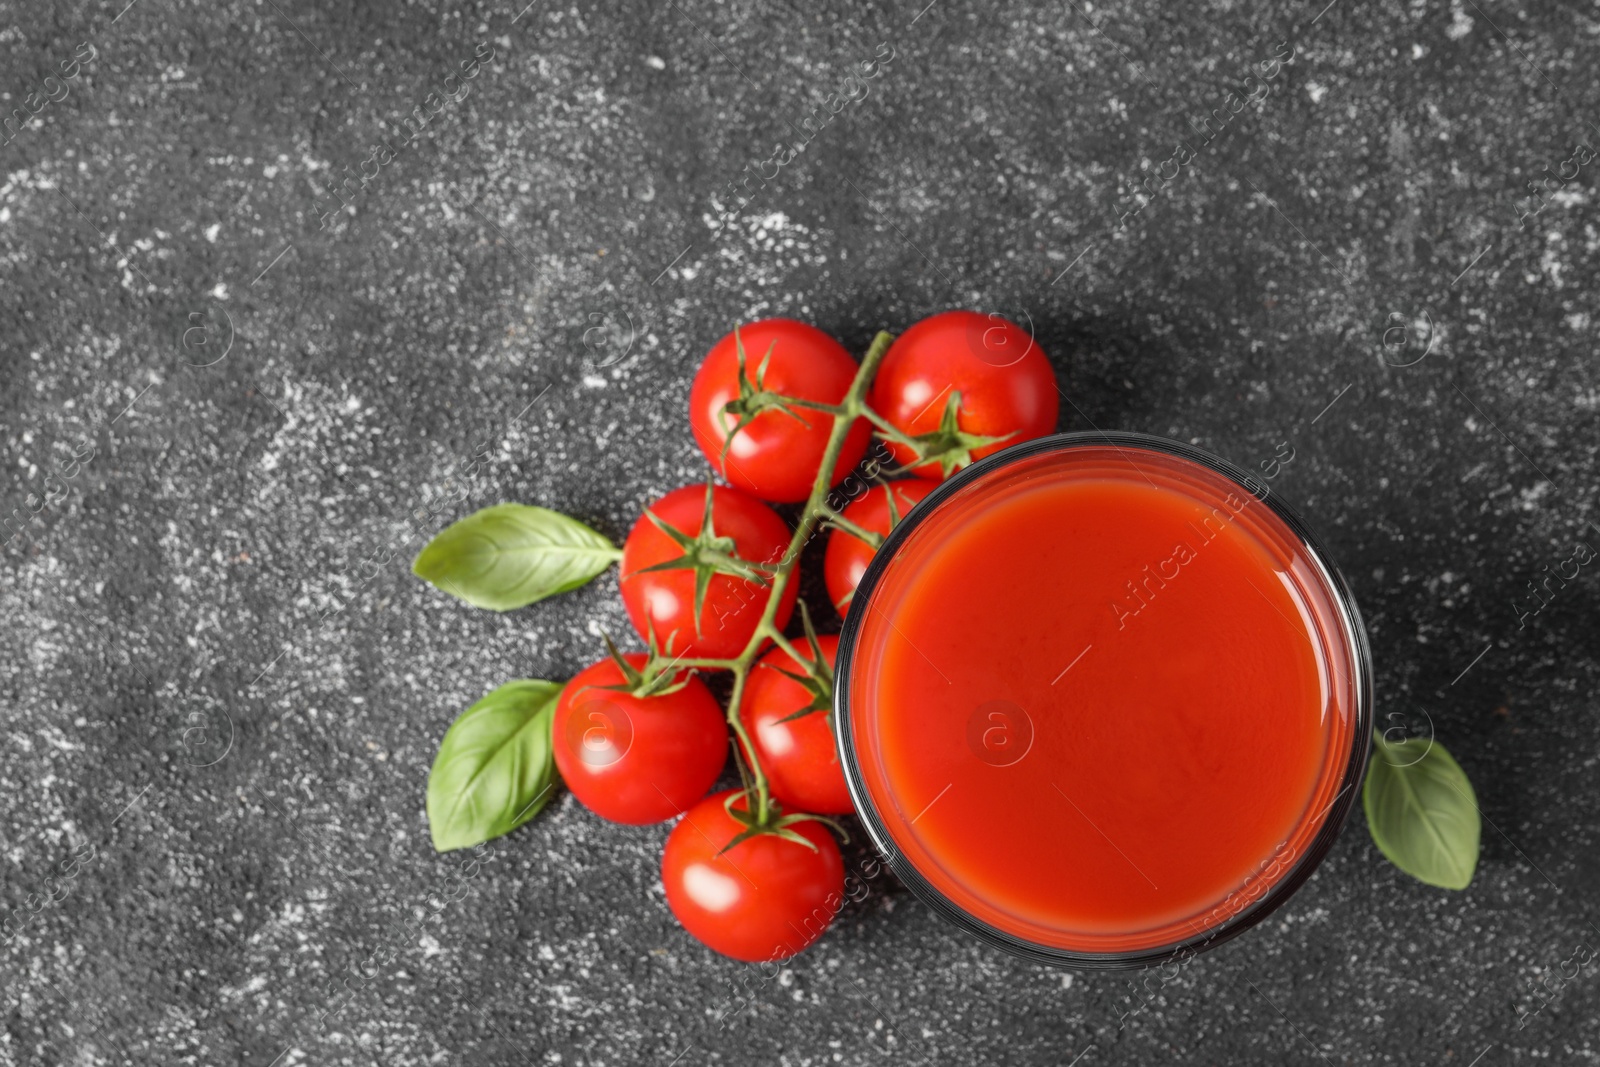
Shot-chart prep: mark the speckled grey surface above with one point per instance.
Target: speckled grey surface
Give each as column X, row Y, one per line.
column 224, row 557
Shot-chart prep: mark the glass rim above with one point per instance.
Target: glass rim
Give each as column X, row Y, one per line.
column 1288, row 883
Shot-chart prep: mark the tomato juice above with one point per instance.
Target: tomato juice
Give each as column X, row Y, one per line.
column 1101, row 699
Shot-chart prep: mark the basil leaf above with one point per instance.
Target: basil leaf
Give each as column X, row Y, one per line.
column 1422, row 811
column 511, row 555
column 496, row 765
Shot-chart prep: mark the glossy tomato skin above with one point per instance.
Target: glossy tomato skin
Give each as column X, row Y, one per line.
column 776, row 456
column 733, row 605
column 1005, row 381
column 764, row 899
column 847, row 556
column 635, row 759
column 800, row 758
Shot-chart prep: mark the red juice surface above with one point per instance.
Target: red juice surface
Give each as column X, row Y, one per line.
column 1102, row 698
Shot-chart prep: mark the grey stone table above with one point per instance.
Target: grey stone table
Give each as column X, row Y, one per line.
column 229, row 394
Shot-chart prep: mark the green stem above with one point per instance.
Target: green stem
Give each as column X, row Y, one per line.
column 852, row 407
column 886, row 428
column 741, row 670
column 702, row 664
column 833, row 518
column 784, row 643
column 813, row 405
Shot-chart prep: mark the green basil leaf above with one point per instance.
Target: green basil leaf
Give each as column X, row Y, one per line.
column 511, row 555
column 1422, row 811
column 496, row 765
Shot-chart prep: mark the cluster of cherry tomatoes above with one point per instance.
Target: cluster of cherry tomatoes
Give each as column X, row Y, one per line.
column 639, row 738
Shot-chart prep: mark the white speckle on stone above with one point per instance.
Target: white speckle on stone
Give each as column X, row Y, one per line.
column 1553, row 265
column 1529, row 498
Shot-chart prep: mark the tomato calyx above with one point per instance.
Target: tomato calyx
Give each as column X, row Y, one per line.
column 755, row 399
column 949, row 446
column 871, row 538
column 773, row 822
column 657, row 677
column 818, row 677
column 706, row 554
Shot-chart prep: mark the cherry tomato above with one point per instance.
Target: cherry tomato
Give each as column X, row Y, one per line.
column 732, row 604
column 798, row 755
column 766, row 898
column 776, row 454
column 847, row 557
column 1005, row 381
column 637, row 759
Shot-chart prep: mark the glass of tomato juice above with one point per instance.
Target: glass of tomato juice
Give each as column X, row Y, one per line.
column 1103, row 700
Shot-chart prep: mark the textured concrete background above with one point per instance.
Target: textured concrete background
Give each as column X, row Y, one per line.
column 223, row 688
